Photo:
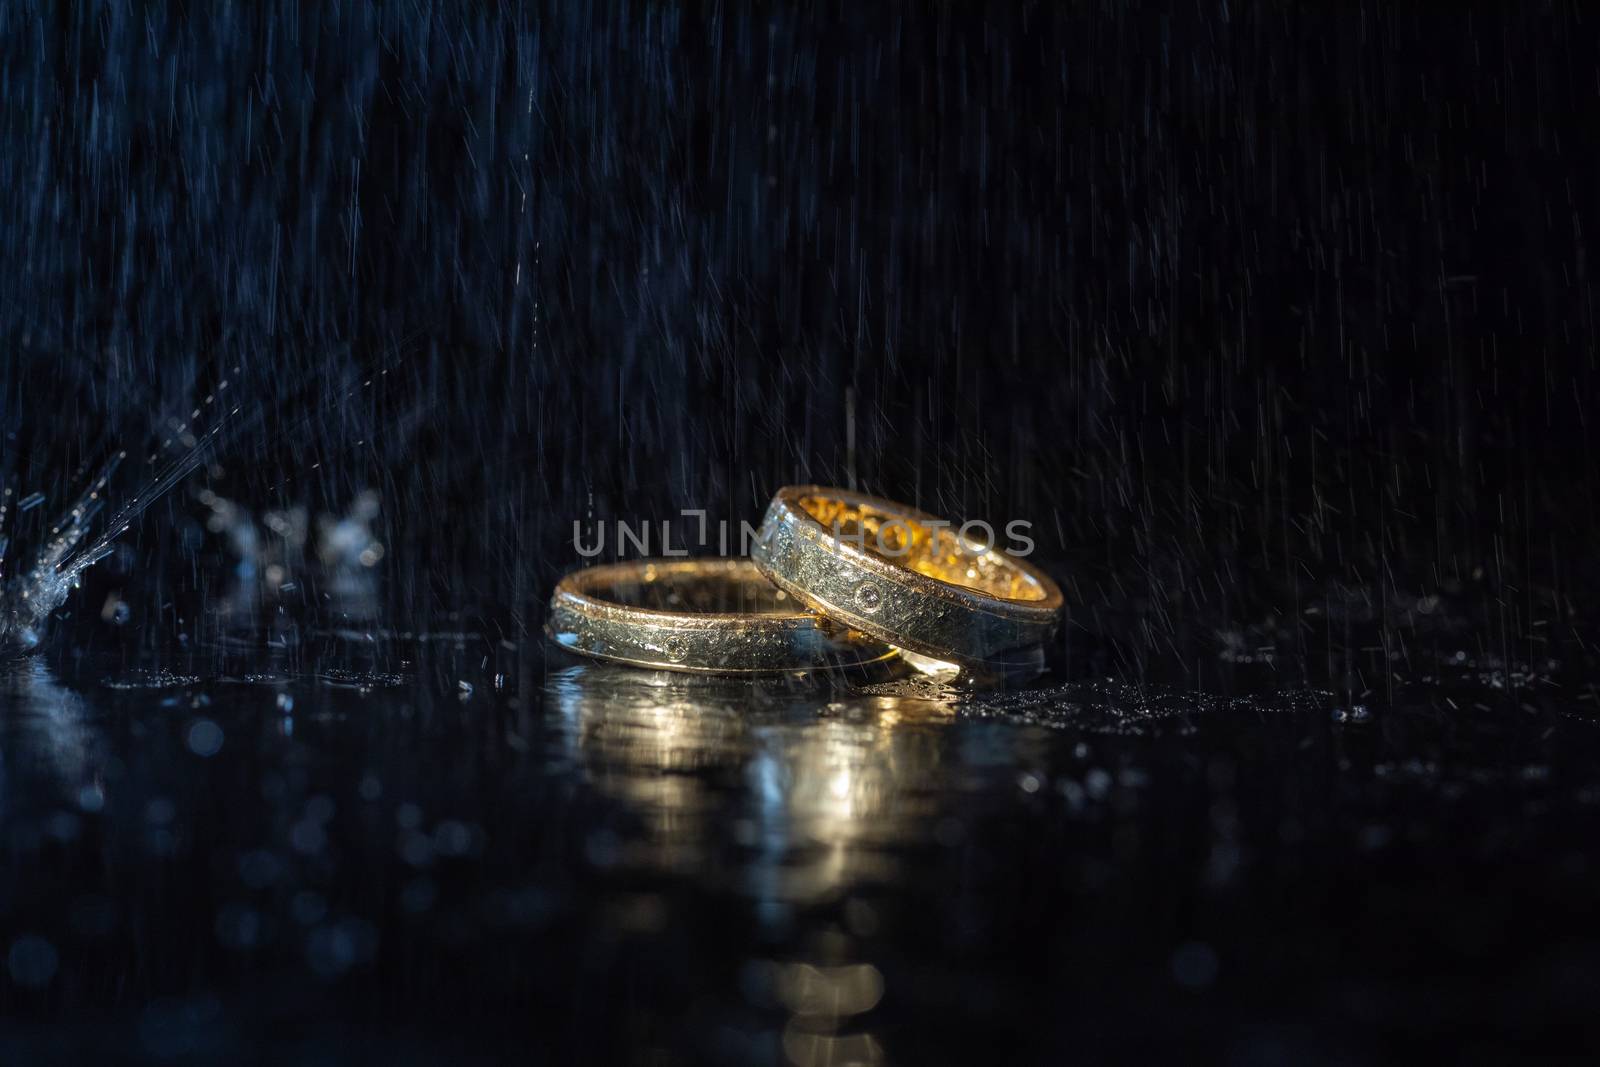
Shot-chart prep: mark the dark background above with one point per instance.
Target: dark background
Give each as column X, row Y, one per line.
column 1275, row 321
column 1285, row 293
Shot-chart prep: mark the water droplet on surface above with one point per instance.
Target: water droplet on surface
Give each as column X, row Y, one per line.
column 1194, row 965
column 32, row 961
column 91, row 798
column 205, row 738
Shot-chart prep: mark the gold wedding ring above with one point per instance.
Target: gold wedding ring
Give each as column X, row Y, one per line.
column 903, row 576
column 715, row 616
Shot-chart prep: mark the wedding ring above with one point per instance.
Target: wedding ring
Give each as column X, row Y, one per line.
column 903, row 576
column 713, row 616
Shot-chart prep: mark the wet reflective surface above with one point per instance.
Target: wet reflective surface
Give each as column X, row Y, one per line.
column 485, row 852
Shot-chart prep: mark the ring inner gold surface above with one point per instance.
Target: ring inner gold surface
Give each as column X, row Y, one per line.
column 899, row 536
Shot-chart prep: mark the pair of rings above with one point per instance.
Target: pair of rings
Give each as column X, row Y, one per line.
column 835, row 579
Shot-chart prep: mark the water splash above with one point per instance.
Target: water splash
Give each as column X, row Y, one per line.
column 75, row 541
column 29, row 598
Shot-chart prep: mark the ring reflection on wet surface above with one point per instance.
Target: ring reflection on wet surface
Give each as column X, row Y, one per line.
column 818, row 808
column 818, row 800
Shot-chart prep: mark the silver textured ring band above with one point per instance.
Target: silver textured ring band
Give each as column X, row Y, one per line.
column 713, row 616
column 903, row 576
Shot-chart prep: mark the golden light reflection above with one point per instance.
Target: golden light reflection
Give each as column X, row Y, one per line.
column 665, row 745
column 819, row 792
column 936, row 668
column 808, row 1048
column 829, row 992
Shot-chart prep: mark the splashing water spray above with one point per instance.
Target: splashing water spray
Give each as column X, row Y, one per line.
column 30, row 595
